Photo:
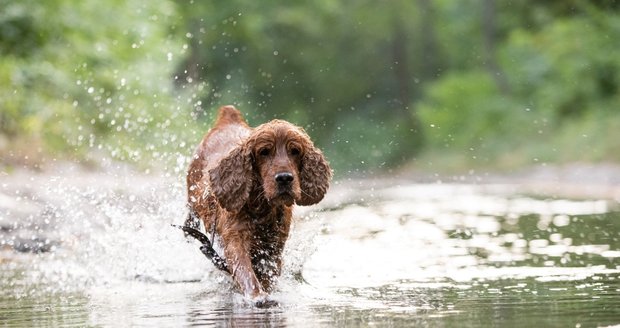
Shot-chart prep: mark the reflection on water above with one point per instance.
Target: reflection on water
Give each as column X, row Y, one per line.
column 92, row 250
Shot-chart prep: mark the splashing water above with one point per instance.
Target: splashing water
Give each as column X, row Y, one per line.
column 97, row 248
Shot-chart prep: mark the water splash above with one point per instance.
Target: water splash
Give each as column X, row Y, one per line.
column 103, row 241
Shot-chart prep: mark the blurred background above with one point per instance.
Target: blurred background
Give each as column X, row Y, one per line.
column 381, row 86
column 485, row 133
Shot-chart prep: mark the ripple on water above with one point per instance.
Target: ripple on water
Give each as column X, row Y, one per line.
column 429, row 254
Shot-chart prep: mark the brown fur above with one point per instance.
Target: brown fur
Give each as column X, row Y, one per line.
column 232, row 188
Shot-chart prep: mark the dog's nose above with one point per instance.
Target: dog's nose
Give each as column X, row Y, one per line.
column 284, row 178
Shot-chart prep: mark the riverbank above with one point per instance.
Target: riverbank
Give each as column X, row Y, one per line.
column 572, row 180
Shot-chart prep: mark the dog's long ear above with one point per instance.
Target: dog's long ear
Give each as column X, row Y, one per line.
column 314, row 175
column 231, row 181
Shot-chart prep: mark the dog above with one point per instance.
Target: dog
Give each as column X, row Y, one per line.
column 242, row 183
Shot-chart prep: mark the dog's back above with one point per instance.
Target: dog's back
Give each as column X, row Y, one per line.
column 228, row 131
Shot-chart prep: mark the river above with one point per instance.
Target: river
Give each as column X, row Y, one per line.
column 96, row 248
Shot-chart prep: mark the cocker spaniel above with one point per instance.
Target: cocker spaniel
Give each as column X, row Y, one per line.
column 242, row 184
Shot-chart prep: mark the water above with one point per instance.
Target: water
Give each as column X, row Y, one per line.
column 97, row 249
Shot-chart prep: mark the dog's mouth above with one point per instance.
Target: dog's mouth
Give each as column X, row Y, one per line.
column 285, row 196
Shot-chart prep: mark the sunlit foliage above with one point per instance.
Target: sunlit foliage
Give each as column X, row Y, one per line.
column 92, row 78
column 375, row 85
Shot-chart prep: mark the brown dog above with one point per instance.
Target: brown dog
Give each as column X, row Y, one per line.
column 242, row 184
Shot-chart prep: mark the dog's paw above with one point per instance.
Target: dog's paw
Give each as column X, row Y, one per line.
column 265, row 302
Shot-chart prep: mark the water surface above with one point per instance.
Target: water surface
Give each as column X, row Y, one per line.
column 97, row 249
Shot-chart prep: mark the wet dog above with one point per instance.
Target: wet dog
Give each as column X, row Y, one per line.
column 242, row 184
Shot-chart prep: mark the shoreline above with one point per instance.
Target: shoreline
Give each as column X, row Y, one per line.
column 572, row 180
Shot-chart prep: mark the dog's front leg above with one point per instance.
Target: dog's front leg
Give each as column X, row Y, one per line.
column 239, row 261
column 238, row 258
column 237, row 239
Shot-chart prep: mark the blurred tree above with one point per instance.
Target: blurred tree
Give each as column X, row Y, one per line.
column 490, row 45
column 323, row 64
column 89, row 76
column 371, row 82
column 562, row 75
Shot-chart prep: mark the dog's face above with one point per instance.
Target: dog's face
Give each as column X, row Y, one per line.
column 282, row 159
column 277, row 152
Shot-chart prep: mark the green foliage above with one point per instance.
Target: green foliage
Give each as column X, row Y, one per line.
column 307, row 62
column 461, row 109
column 562, row 103
column 93, row 77
column 477, row 81
column 569, row 68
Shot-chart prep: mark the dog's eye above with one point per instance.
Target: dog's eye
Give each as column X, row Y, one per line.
column 264, row 152
column 295, row 151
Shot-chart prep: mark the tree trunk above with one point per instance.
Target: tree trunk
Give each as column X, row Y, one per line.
column 403, row 76
column 489, row 32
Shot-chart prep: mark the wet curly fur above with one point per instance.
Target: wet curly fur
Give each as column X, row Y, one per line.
column 242, row 184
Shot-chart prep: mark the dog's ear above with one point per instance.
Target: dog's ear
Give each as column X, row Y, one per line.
column 314, row 175
column 231, row 181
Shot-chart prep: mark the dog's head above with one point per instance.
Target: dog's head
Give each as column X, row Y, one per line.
column 282, row 159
